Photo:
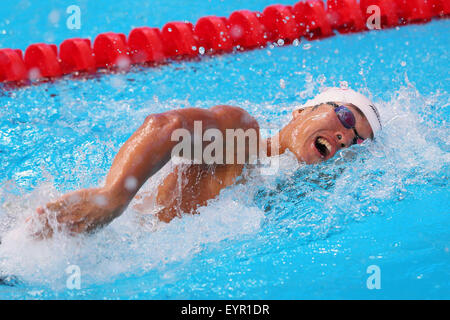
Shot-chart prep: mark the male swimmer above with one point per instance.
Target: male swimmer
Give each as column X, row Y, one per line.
column 333, row 120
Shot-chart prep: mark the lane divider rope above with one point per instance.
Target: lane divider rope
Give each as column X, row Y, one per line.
column 242, row 30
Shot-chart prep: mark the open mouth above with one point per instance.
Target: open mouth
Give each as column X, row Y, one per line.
column 323, row 146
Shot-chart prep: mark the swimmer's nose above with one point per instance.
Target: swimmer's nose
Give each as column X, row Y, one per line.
column 343, row 139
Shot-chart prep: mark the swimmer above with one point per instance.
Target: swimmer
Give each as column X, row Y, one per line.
column 335, row 119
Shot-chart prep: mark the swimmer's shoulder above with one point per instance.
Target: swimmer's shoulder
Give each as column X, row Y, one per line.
column 234, row 117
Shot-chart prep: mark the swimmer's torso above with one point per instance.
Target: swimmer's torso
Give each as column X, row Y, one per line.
column 187, row 188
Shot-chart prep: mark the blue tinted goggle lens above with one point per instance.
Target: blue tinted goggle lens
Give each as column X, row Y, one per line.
column 345, row 116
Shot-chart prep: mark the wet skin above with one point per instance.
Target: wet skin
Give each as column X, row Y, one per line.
column 149, row 149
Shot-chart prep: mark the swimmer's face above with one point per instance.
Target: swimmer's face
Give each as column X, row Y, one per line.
column 315, row 134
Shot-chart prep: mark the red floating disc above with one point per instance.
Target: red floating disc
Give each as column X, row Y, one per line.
column 146, row 45
column 312, row 19
column 42, row 61
column 12, row 66
column 445, row 7
column 246, row 30
column 178, row 39
column 413, row 11
column 387, row 10
column 345, row 15
column 76, row 55
column 213, row 34
column 111, row 50
column 280, row 23
column 439, row 8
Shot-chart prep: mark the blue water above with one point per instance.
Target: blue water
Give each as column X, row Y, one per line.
column 305, row 232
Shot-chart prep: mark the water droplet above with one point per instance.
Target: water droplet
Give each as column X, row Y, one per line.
column 236, row 32
column 123, row 63
column 309, row 78
column 100, row 200
column 131, row 183
column 343, row 84
column 117, row 82
column 54, row 16
column 34, row 74
column 321, row 79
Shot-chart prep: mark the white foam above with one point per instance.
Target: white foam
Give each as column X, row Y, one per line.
column 123, row 246
column 408, row 151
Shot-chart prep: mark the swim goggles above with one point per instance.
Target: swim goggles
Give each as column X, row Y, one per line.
column 347, row 119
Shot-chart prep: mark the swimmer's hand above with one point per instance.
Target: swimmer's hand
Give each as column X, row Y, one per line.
column 81, row 211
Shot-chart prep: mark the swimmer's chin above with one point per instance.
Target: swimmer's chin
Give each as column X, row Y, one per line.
column 308, row 159
column 311, row 162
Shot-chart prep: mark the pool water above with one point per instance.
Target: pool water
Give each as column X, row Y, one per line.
column 304, row 232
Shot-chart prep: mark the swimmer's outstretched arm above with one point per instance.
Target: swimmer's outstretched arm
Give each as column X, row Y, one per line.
column 142, row 155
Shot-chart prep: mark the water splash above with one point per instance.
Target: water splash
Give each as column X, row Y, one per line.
column 298, row 205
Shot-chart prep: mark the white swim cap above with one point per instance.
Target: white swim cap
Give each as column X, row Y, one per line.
column 349, row 96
